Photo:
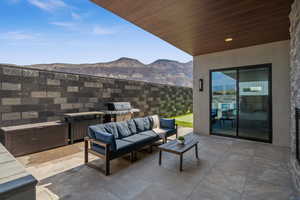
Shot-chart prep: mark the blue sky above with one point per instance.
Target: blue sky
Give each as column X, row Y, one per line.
column 73, row 31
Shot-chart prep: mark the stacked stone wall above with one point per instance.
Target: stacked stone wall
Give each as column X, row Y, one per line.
column 295, row 85
column 29, row 96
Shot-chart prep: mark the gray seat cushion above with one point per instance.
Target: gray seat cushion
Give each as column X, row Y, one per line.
column 139, row 139
column 162, row 132
column 150, row 133
column 123, row 129
column 121, row 146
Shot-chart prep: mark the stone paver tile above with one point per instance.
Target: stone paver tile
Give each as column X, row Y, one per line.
column 233, row 181
column 209, row 191
column 258, row 190
column 156, row 191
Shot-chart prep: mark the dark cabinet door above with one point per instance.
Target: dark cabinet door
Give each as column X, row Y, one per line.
column 51, row 137
column 22, row 142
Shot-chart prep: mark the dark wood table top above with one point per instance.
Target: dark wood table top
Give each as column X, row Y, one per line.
column 174, row 147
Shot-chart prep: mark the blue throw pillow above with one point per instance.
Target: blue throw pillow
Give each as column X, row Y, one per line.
column 151, row 122
column 147, row 124
column 123, row 129
column 95, row 128
column 106, row 138
column 139, row 122
column 167, row 123
column 112, row 129
column 132, row 126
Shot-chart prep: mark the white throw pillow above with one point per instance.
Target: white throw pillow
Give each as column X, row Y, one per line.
column 155, row 121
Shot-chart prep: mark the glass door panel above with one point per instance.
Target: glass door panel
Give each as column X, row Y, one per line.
column 223, row 102
column 254, row 103
column 241, row 103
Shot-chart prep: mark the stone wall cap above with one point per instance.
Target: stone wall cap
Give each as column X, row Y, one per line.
column 29, row 126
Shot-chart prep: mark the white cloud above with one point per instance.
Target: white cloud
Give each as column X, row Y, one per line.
column 16, row 35
column 75, row 16
column 97, row 30
column 48, row 5
column 63, row 24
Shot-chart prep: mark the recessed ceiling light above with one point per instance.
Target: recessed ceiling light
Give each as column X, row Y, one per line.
column 228, row 39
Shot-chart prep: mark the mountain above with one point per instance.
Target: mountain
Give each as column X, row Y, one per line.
column 161, row 71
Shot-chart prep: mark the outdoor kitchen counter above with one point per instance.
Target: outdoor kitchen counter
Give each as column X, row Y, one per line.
column 81, row 114
column 79, row 122
column 114, row 112
column 15, row 182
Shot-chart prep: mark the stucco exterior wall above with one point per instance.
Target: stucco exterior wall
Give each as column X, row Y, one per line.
column 277, row 54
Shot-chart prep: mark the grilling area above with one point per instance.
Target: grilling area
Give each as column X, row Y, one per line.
column 78, row 122
column 31, row 138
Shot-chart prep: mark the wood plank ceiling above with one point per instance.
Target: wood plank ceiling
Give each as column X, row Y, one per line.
column 200, row 26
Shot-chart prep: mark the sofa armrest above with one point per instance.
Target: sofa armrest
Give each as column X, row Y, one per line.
column 103, row 139
column 93, row 141
column 167, row 123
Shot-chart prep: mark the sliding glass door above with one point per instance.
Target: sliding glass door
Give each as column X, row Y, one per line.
column 223, row 102
column 240, row 102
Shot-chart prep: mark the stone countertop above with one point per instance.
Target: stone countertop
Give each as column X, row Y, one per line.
column 29, row 126
column 83, row 114
column 113, row 112
column 12, row 174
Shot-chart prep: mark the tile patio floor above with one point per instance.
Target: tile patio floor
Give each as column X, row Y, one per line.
column 228, row 169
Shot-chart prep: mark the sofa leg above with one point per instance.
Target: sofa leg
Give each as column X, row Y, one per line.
column 132, row 156
column 107, row 167
column 86, row 152
column 150, row 148
column 107, row 161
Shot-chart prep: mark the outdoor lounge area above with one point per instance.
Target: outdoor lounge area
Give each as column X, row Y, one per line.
column 227, row 169
column 68, row 136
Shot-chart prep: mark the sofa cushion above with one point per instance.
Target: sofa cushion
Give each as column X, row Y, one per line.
column 132, row 126
column 139, row 139
column 94, row 128
column 104, row 137
column 139, row 122
column 162, row 132
column 123, row 129
column 150, row 133
column 167, row 123
column 154, row 119
column 147, row 123
column 142, row 124
column 112, row 129
column 121, row 145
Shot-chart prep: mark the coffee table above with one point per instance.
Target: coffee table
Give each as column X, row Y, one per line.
column 178, row 149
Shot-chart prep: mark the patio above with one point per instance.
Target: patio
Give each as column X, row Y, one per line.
column 228, row 169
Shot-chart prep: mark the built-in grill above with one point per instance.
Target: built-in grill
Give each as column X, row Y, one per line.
column 119, row 111
column 79, row 122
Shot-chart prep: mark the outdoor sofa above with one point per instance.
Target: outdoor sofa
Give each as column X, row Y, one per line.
column 112, row 140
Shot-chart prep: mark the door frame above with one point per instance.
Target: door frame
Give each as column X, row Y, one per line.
column 270, row 103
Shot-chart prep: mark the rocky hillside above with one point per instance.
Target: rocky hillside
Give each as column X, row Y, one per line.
column 160, row 71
